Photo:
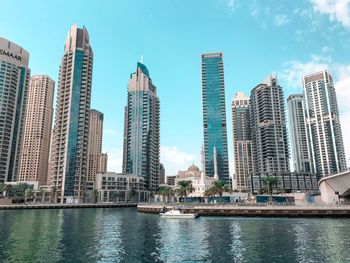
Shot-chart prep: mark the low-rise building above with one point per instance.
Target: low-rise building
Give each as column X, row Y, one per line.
column 117, row 187
column 200, row 182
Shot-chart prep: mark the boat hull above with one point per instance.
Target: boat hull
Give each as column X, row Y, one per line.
column 178, row 216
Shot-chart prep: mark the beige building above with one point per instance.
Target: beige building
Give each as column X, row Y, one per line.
column 69, row 150
column 114, row 187
column 242, row 144
column 200, row 182
column 37, row 130
column 97, row 160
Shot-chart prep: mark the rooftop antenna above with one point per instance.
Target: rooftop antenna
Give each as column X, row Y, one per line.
column 141, row 59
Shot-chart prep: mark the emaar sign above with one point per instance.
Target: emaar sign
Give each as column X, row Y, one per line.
column 11, row 55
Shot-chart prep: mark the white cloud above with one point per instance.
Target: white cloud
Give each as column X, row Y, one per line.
column 110, row 131
column 294, row 70
column 115, row 159
column 232, row 4
column 174, row 159
column 338, row 10
column 281, row 20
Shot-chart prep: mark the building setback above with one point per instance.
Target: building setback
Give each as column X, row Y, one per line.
column 141, row 130
column 299, row 140
column 37, row 130
column 269, row 133
column 97, row 160
column 69, row 159
column 242, row 144
column 323, row 125
column 214, row 117
column 14, row 83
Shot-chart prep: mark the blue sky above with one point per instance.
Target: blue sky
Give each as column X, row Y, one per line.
column 289, row 38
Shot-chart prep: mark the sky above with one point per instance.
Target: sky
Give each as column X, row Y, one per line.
column 288, row 38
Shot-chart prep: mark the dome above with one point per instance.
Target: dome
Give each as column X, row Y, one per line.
column 193, row 168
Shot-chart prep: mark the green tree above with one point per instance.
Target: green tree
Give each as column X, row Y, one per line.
column 185, row 187
column 2, row 189
column 95, row 195
column 219, row 187
column 270, row 182
column 165, row 192
column 18, row 192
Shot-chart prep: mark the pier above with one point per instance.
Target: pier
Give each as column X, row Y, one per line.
column 250, row 211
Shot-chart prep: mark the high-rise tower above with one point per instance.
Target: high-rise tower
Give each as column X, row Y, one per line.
column 299, row 140
column 269, row 132
column 141, row 130
column 322, row 123
column 242, row 144
column 71, row 131
column 14, row 82
column 214, row 116
column 96, row 158
column 37, row 131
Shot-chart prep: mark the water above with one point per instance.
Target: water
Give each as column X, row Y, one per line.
column 123, row 235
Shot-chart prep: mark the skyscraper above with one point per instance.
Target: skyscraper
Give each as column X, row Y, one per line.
column 96, row 160
column 69, row 158
column 299, row 140
column 242, row 144
column 14, row 82
column 37, row 131
column 141, row 131
column 214, row 116
column 269, row 132
column 323, row 126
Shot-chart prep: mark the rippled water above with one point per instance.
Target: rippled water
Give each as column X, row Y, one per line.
column 123, row 235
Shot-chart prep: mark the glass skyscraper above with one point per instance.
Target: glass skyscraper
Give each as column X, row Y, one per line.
column 14, row 83
column 70, row 139
column 214, row 117
column 323, row 125
column 141, row 129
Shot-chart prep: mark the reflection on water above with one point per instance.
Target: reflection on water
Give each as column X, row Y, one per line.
column 123, row 235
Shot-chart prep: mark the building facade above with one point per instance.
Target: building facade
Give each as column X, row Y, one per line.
column 200, row 182
column 214, row 116
column 299, row 140
column 37, row 131
column 14, row 83
column 97, row 161
column 161, row 174
column 142, row 129
column 242, row 142
column 113, row 187
column 323, row 125
column 69, row 159
column 269, row 132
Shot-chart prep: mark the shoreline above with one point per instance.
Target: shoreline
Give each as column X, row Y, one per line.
column 65, row 206
column 253, row 211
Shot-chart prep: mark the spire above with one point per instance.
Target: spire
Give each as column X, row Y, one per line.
column 216, row 176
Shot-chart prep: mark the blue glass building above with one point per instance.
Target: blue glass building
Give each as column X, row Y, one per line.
column 214, row 115
column 141, row 129
column 70, row 138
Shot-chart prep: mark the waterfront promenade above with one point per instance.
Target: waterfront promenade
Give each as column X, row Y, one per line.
column 250, row 210
column 62, row 206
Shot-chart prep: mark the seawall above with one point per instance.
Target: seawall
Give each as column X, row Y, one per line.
column 252, row 211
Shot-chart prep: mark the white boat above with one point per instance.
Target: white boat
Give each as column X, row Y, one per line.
column 176, row 213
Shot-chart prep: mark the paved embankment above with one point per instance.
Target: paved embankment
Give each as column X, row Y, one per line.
column 252, row 211
column 62, row 206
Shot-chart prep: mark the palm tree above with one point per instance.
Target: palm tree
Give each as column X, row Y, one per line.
column 219, row 187
column 271, row 182
column 95, row 194
column 165, row 191
column 185, row 188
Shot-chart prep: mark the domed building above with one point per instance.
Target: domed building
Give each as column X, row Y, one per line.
column 200, row 182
